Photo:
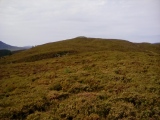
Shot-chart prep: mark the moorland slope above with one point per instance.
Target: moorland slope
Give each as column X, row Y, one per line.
column 82, row 78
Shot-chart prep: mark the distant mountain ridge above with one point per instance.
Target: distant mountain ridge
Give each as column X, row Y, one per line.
column 10, row 47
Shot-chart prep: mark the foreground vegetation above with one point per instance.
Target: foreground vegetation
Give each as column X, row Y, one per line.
column 90, row 79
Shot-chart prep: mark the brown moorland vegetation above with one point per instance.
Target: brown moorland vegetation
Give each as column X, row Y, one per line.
column 82, row 78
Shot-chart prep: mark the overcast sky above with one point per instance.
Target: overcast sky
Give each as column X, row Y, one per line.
column 34, row 22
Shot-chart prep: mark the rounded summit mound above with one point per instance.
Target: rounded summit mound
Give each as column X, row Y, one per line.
column 80, row 45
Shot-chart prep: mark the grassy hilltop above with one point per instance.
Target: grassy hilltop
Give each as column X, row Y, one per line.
column 82, row 79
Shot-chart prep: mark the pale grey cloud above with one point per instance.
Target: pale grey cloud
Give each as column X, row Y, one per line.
column 31, row 22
